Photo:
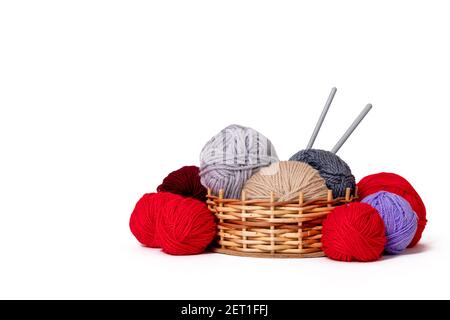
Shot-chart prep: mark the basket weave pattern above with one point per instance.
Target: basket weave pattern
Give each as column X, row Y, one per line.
column 267, row 228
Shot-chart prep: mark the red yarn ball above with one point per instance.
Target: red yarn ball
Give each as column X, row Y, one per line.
column 178, row 225
column 394, row 183
column 184, row 181
column 187, row 226
column 144, row 220
column 353, row 232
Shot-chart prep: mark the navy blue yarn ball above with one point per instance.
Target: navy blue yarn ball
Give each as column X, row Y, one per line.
column 333, row 170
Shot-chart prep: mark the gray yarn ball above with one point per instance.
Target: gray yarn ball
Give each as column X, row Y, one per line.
column 334, row 170
column 230, row 158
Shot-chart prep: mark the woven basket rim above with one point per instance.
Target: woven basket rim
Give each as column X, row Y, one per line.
column 271, row 200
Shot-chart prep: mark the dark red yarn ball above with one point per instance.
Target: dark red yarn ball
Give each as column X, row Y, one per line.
column 391, row 182
column 178, row 225
column 184, row 181
column 353, row 232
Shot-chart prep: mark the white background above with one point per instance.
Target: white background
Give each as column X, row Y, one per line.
column 99, row 100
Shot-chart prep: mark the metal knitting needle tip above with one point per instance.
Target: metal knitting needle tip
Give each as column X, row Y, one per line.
column 321, row 118
column 352, row 127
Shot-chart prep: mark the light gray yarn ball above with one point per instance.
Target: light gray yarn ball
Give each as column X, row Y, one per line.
column 230, row 158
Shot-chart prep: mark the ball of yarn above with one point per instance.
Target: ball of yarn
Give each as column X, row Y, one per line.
column 394, row 183
column 185, row 182
column 178, row 225
column 334, row 170
column 399, row 219
column 353, row 232
column 230, row 158
column 286, row 179
column 186, row 226
column 144, row 220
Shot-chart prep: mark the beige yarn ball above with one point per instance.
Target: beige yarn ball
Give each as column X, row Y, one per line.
column 286, row 179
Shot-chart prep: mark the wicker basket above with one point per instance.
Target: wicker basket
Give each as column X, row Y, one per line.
column 270, row 229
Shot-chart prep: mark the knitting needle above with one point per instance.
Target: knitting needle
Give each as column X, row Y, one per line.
column 352, row 127
column 321, row 118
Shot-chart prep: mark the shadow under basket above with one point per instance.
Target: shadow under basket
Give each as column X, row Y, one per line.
column 268, row 229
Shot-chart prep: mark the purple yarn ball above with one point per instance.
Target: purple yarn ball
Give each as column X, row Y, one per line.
column 399, row 219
